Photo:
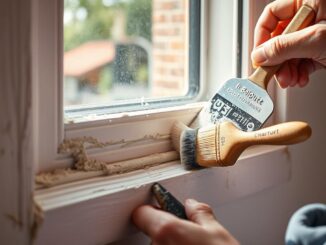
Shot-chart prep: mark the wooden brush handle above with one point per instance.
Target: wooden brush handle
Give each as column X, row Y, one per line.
column 231, row 141
column 302, row 19
column 281, row 134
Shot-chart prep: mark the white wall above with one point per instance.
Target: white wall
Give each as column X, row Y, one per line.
column 262, row 218
column 257, row 219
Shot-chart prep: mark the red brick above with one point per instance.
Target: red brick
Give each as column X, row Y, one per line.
column 159, row 18
column 178, row 18
column 168, row 58
column 166, row 31
column 169, row 47
column 160, row 45
column 177, row 45
column 177, row 72
column 167, row 84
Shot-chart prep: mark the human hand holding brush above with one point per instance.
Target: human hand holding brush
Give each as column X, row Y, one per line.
column 306, row 51
column 301, row 52
column 246, row 102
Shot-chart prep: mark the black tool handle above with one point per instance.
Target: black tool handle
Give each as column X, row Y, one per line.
column 168, row 202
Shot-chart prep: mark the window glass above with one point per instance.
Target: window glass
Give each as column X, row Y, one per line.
column 125, row 51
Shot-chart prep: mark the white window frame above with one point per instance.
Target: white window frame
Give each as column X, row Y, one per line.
column 97, row 211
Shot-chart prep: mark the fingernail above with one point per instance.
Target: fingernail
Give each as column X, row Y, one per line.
column 283, row 85
column 258, row 55
column 280, row 83
column 303, row 83
column 191, row 202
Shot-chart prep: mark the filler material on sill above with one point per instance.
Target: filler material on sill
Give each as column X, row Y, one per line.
column 85, row 167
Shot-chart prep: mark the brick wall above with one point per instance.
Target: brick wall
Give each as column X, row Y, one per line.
column 170, row 47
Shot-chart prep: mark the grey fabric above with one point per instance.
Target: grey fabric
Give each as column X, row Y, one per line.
column 307, row 226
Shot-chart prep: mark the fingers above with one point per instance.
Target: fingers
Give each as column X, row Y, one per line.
column 276, row 16
column 200, row 213
column 300, row 53
column 306, row 67
column 288, row 74
column 151, row 220
column 306, row 43
column 281, row 48
column 320, row 9
column 295, row 72
column 272, row 14
column 165, row 228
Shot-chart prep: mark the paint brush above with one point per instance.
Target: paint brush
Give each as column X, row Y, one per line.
column 245, row 102
column 223, row 143
column 168, row 202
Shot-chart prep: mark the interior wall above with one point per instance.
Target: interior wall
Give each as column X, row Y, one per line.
column 262, row 218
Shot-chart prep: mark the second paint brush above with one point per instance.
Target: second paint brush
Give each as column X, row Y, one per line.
column 222, row 144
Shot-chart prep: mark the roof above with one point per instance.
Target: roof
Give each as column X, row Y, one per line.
column 88, row 57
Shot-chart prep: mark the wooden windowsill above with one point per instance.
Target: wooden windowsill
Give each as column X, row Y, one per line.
column 97, row 211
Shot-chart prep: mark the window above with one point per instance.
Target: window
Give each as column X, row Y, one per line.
column 124, row 55
column 213, row 51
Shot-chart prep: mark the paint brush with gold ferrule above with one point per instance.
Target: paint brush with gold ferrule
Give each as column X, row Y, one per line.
column 222, row 144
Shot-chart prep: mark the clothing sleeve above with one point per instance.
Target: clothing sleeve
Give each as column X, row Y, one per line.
column 307, row 226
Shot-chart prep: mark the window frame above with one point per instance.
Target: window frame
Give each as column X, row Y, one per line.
column 50, row 34
column 153, row 103
column 113, row 200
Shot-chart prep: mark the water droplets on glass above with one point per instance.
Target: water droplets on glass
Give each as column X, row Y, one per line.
column 124, row 51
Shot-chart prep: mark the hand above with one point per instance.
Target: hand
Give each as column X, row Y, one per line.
column 301, row 52
column 166, row 229
column 307, row 226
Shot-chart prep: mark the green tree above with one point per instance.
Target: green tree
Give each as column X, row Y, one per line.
column 139, row 18
column 99, row 20
column 96, row 26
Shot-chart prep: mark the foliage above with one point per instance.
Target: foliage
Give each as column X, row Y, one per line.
column 139, row 18
column 93, row 20
column 105, row 80
column 88, row 20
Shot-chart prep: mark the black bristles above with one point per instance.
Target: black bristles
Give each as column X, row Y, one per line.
column 188, row 149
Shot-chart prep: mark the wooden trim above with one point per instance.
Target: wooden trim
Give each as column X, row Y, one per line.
column 97, row 211
column 48, row 58
column 251, row 11
column 52, row 131
column 17, row 122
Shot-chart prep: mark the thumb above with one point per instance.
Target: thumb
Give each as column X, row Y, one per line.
column 200, row 213
column 299, row 44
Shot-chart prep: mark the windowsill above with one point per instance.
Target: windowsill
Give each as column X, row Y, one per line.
column 98, row 210
column 135, row 116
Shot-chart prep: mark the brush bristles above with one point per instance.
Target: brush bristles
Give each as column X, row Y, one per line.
column 176, row 132
column 207, row 147
column 188, row 149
